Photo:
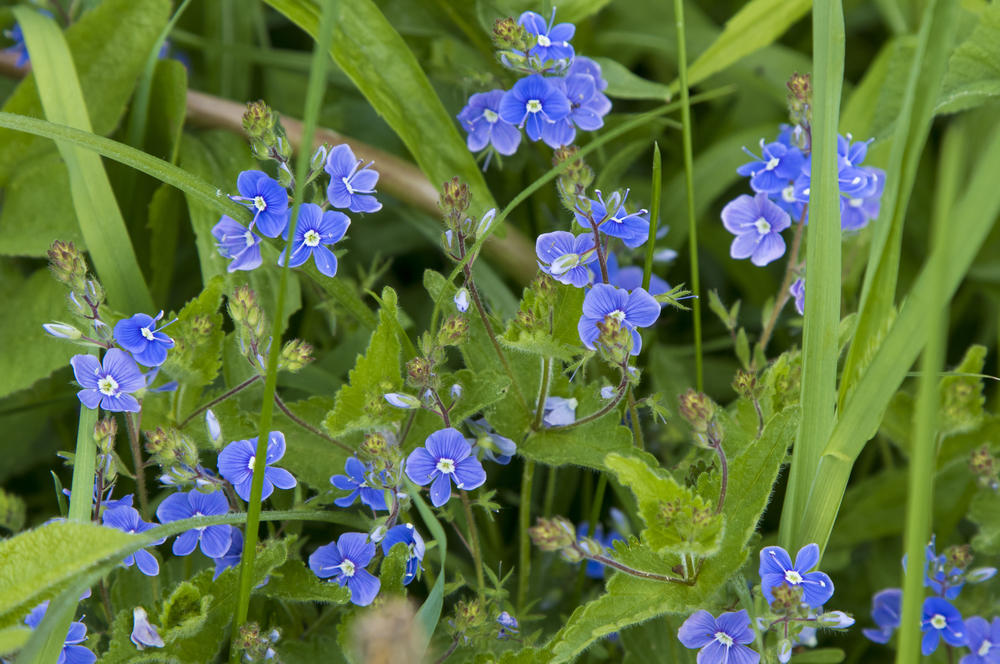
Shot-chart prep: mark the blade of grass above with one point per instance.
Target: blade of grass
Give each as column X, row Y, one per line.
column 96, row 208
column 970, row 219
column 820, row 343
column 314, row 97
column 654, row 215
column 429, row 612
column 682, row 73
column 920, row 494
column 878, row 290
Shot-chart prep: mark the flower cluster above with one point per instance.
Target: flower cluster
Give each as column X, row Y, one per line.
column 945, row 575
column 560, row 93
column 351, row 187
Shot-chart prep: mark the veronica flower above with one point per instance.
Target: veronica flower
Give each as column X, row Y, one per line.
column 771, row 172
column 139, row 336
column 886, row 612
column 71, row 652
column 267, row 199
column 587, row 109
column 757, row 224
column 489, row 444
column 721, row 641
column 613, row 219
column 983, row 640
column 237, row 242
column 407, row 535
column 594, row 569
column 630, row 277
column 531, row 103
column 127, row 520
column 559, row 411
column 314, row 231
column 481, row 118
column 446, row 458
column 798, row 291
column 214, row 540
column 552, row 40
column 776, row 568
column 108, row 383
column 351, row 185
column 144, row 635
column 232, row 556
column 238, row 460
column 508, row 625
column 565, row 257
column 940, row 620
column 345, row 560
column 856, row 211
column 631, row 310
column 356, row 481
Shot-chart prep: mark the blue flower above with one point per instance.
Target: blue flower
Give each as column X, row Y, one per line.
column 532, row 103
column 356, row 481
column 983, row 639
column 481, row 118
column 587, row 108
column 16, row 35
column 238, row 460
column 594, row 569
column 144, row 635
column 237, row 242
column 346, row 561
column 72, row 652
column 214, row 540
column 940, row 620
column 630, row 277
column 267, row 199
column 721, row 641
column 446, row 458
column 559, row 411
column 757, row 224
column 886, row 612
column 108, row 383
column 632, row 310
column 232, row 556
column 508, row 625
column 489, row 444
column 798, row 291
column 772, row 172
column 552, row 40
column 350, row 188
column 565, row 257
column 314, row 230
column 407, row 535
column 127, row 519
column 776, row 568
column 857, row 210
column 139, row 336
column 938, row 577
column 613, row 219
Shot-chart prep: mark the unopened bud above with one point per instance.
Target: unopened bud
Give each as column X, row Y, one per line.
column 144, row 635
column 786, row 597
column 614, row 340
column 404, row 401
column 697, row 409
column 420, row 372
column 745, row 384
column 835, row 620
column 68, row 264
column 456, row 392
column 980, row 574
column 469, row 614
column 62, row 331
column 462, row 299
column 552, row 534
column 508, row 34
column 959, row 555
column 258, row 121
column 294, row 355
column 213, row 426
column 105, row 432
column 454, row 201
column 486, row 221
column 453, row 331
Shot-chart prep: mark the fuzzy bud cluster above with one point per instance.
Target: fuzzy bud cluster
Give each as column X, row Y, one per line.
column 573, row 182
column 267, row 136
column 295, row 354
column 553, row 534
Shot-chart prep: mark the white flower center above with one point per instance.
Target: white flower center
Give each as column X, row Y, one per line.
column 446, row 466
column 724, row 639
column 252, row 463
column 763, row 226
column 984, row 649
column 312, row 238
column 146, row 333
column 534, row 105
column 788, row 194
column 543, row 40
column 347, row 183
column 772, row 164
column 938, row 621
column 793, row 577
column 248, row 237
column 258, row 202
column 108, row 386
column 855, row 202
column 347, row 568
column 490, row 116
column 618, row 315
column 805, row 191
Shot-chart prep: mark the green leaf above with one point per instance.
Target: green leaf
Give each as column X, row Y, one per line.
column 96, row 208
column 677, row 519
column 29, row 353
column 196, row 357
column 756, row 25
column 985, row 512
column 36, row 210
column 12, row 511
column 569, row 11
column 13, row 639
column 547, row 325
column 623, row 84
column 39, row 564
column 962, row 396
column 393, row 570
column 294, row 582
column 630, row 600
column 585, row 445
column 361, row 405
column 973, row 76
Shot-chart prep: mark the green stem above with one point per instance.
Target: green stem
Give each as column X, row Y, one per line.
column 633, row 414
column 219, row 399
column 654, row 215
column 682, row 74
column 308, row 427
column 314, row 97
column 523, row 523
column 543, row 393
column 132, row 425
column 477, row 554
column 81, row 495
column 550, row 492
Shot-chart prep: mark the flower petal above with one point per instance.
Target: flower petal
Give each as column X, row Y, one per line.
column 469, row 474
column 280, row 478
column 185, row 543
column 215, row 540
column 698, row 630
column 440, row 490
column 174, row 508
column 364, row 587
column 421, row 466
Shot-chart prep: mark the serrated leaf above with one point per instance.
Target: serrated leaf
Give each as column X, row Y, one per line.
column 623, row 84
column 294, row 582
column 677, row 519
column 548, row 323
column 196, row 357
column 13, row 639
column 973, row 76
column 361, row 405
column 962, row 396
column 393, row 570
column 39, row 564
column 12, row 511
column 985, row 512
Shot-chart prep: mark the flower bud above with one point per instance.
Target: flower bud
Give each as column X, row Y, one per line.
column 785, row 651
column 420, row 372
column 105, row 433
column 456, row 392
column 258, row 121
column 508, row 34
column 462, row 299
column 453, row 331
column 319, row 158
column 62, row 331
column 144, row 635
column 486, row 222
column 608, row 392
column 68, row 264
column 469, row 614
column 835, row 620
column 980, row 574
column 294, row 355
column 400, row 400
column 614, row 340
column 959, row 556
column 787, row 598
column 552, row 534
column 214, row 428
column 454, row 201
column 697, row 409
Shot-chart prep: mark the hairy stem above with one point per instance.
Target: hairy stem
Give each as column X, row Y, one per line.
column 132, row 424
column 524, row 521
column 219, row 399
column 477, row 556
column 783, row 294
column 308, row 427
